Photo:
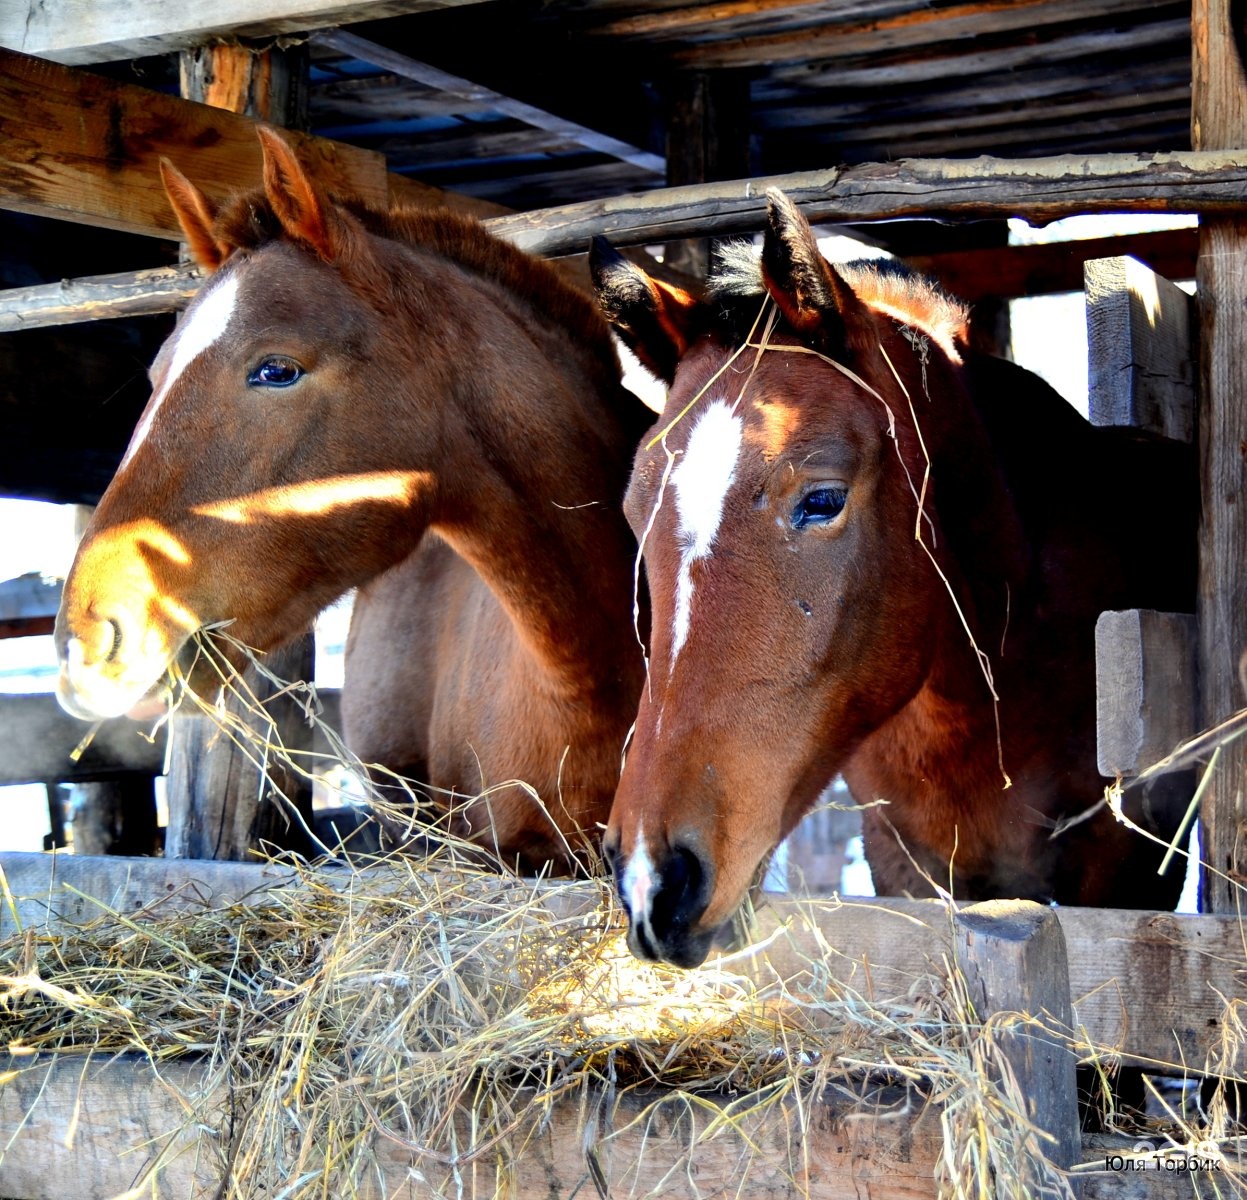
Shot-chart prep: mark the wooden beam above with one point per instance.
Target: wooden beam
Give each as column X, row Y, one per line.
column 1039, row 190
column 915, row 25
column 91, row 1130
column 482, row 97
column 1145, row 693
column 1219, row 118
column 1009, row 272
column 38, row 739
column 968, row 25
column 82, row 147
column 78, row 32
column 1141, row 349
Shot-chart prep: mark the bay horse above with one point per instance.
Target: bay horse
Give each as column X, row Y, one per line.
column 872, row 552
column 400, row 402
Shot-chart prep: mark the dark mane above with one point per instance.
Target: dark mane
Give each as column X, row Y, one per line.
column 248, row 222
column 882, row 284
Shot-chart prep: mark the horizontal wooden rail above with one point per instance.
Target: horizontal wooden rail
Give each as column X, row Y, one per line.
column 38, row 739
column 1038, row 189
column 122, row 1108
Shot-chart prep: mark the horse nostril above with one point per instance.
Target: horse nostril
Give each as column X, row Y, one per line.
column 682, row 894
column 115, row 648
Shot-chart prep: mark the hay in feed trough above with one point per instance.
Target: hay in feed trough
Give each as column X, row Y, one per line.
column 447, row 1011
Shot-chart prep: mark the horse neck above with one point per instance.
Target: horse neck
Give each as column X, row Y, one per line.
column 536, row 463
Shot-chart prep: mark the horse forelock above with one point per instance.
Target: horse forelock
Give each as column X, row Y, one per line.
column 886, row 286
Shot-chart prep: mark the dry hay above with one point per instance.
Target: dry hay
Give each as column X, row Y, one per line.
column 446, row 1009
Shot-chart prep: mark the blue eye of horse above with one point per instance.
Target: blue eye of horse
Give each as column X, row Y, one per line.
column 819, row 507
column 275, row 372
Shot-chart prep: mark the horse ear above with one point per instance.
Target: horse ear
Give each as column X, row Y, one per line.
column 653, row 317
column 196, row 216
column 294, row 198
column 807, row 288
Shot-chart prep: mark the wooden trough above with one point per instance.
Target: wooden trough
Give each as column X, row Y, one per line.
column 91, row 1127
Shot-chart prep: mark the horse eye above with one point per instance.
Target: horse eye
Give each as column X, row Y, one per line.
column 819, row 507
column 275, row 372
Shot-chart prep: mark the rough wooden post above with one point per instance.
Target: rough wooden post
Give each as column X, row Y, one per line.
column 707, row 140
column 1145, row 688
column 1141, row 349
column 220, row 806
column 1012, row 954
column 1219, row 120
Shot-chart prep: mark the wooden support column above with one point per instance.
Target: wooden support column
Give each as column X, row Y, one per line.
column 220, row 803
column 1012, row 954
column 1218, row 120
column 707, row 141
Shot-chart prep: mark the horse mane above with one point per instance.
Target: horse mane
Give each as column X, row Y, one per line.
column 885, row 285
column 248, row 222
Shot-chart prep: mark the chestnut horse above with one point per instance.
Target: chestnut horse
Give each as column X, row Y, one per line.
column 870, row 551
column 395, row 401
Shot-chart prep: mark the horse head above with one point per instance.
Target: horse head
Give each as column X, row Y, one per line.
column 794, row 611
column 261, row 480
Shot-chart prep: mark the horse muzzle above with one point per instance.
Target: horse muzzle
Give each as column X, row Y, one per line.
column 101, row 676
column 665, row 897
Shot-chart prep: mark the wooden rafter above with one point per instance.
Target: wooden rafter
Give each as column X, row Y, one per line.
column 479, row 97
column 78, row 32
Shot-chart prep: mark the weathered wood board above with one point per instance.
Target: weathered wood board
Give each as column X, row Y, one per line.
column 89, row 31
column 83, row 147
column 1141, row 349
column 1144, row 688
column 1218, row 119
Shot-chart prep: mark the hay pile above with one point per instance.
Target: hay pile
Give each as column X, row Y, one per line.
column 445, row 1010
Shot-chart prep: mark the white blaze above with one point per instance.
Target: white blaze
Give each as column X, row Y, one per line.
column 204, row 324
column 638, row 880
column 701, row 483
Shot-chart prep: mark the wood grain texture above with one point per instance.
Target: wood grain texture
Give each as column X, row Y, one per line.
column 1145, row 688
column 1142, row 360
column 1219, row 118
column 1012, row 954
column 81, row 147
column 1039, row 189
column 94, row 1129
column 88, row 31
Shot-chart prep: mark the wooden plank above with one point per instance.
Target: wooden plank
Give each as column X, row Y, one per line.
column 957, row 25
column 78, row 32
column 1145, row 688
column 1012, row 955
column 99, row 297
column 1002, row 272
column 889, row 27
column 482, row 97
column 90, row 1129
column 1007, row 272
column 1219, row 118
column 37, row 739
column 82, row 147
column 1039, row 190
column 1141, row 349
column 1185, row 966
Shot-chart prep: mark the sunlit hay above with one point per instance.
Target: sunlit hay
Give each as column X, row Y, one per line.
column 438, row 1010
